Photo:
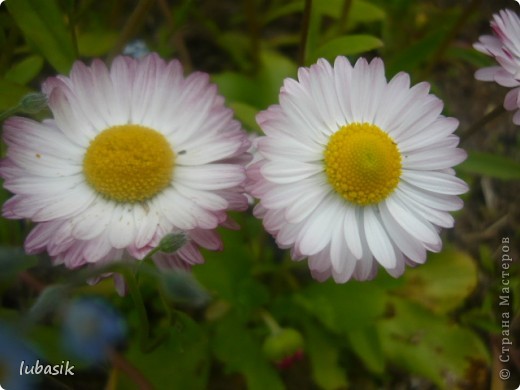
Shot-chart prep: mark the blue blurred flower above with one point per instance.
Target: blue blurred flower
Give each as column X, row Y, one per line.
column 136, row 49
column 14, row 351
column 91, row 328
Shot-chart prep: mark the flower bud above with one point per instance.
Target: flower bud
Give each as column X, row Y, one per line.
column 172, row 242
column 32, row 103
column 284, row 347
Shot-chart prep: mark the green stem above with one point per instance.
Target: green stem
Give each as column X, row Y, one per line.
column 147, row 343
column 151, row 253
column 495, row 113
column 8, row 48
column 122, row 364
column 345, row 11
column 132, row 26
column 135, row 293
column 450, row 36
column 7, row 113
column 305, row 32
column 270, row 322
column 252, row 21
column 72, row 28
column 176, row 33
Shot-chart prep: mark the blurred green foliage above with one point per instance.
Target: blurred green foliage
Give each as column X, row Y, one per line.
column 433, row 326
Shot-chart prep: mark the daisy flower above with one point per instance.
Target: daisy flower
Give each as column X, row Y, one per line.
column 504, row 46
column 355, row 170
column 134, row 153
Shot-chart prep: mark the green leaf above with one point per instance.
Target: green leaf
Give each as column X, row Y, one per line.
column 49, row 341
column 324, row 354
column 13, row 261
column 261, row 90
column 275, row 68
column 346, row 45
column 234, row 346
column 344, row 307
column 236, row 87
column 283, row 10
column 96, row 43
column 43, row 25
column 25, row 70
column 11, row 93
column 181, row 362
column 49, row 301
column 222, row 275
column 366, row 344
column 181, row 287
column 363, row 11
column 422, row 343
column 470, row 55
column 229, row 276
column 492, row 165
column 246, row 114
column 237, row 45
column 458, row 273
column 408, row 59
column 360, row 11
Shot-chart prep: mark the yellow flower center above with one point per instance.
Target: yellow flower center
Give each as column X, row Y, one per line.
column 362, row 163
column 129, row 163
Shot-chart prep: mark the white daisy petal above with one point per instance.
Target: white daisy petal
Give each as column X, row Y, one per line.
column 437, row 131
column 72, row 123
column 343, row 75
column 133, row 152
column 305, row 204
column 504, row 47
column 398, row 270
column 487, row 74
column 434, row 159
column 352, row 222
column 89, row 92
column 314, row 235
column 432, row 199
column 93, row 221
column 410, row 221
column 41, row 139
column 377, row 239
column 392, row 100
column 121, row 229
column 435, row 182
column 122, row 73
column 211, row 176
column 288, row 148
column 288, row 172
column 304, row 118
column 365, row 268
column 338, row 248
column 407, row 244
column 147, row 222
column 354, row 171
column 512, row 99
column 436, row 217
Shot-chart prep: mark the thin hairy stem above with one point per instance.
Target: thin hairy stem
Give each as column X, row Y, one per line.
column 132, row 26
column 450, row 36
column 493, row 114
column 305, row 32
column 343, row 18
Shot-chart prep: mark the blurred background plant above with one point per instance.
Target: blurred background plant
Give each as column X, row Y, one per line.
column 249, row 317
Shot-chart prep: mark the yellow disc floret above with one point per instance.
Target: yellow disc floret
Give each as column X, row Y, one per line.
column 362, row 163
column 129, row 163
